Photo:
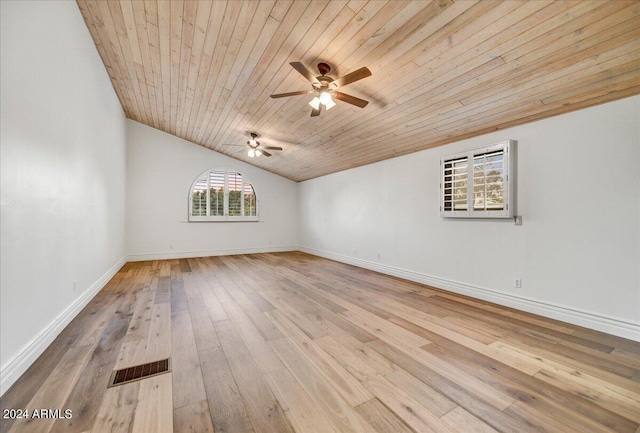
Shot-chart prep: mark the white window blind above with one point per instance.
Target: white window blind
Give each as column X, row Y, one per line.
column 222, row 195
column 488, row 181
column 455, row 184
column 216, row 193
column 250, row 207
column 479, row 183
column 199, row 198
column 235, row 194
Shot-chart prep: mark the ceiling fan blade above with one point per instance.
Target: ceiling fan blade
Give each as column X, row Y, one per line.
column 315, row 112
column 353, row 76
column 271, row 147
column 304, row 72
column 350, row 99
column 234, row 151
column 299, row 92
column 265, row 153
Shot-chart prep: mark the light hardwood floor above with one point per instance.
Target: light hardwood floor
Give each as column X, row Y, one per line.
column 294, row 343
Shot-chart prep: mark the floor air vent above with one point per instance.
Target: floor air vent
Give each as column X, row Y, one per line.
column 138, row 372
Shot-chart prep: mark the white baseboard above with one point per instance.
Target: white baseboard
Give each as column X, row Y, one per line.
column 16, row 366
column 610, row 325
column 138, row 257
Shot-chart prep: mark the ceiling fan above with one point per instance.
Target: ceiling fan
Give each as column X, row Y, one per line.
column 325, row 87
column 256, row 149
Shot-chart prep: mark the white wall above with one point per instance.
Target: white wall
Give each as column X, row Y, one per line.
column 577, row 252
column 160, row 171
column 63, row 176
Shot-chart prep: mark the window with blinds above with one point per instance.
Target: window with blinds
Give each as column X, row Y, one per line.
column 455, row 184
column 222, row 195
column 479, row 183
column 488, row 181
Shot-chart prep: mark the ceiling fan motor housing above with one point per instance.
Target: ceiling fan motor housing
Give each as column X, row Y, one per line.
column 324, row 68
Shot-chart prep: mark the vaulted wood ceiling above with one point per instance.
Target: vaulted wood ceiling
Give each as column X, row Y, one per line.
column 442, row 70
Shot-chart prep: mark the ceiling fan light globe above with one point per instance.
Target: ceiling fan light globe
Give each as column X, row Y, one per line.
column 329, row 105
column 315, row 103
column 325, row 98
column 252, row 143
column 251, row 153
column 258, row 153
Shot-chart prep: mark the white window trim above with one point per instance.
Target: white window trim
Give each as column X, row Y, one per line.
column 226, row 217
column 509, row 183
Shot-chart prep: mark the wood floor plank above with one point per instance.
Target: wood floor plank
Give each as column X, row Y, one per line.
column 463, row 421
column 355, row 357
column 184, row 265
column 338, row 412
column 264, row 356
column 201, row 323
column 117, row 409
column 419, row 417
column 418, row 324
column 18, row 396
column 598, row 365
column 159, row 340
column 311, row 329
column 309, row 293
column 131, row 353
column 227, row 410
column 194, row 417
column 452, row 390
column 383, row 329
column 212, row 303
column 350, row 389
column 381, row 418
column 421, row 392
column 333, row 323
column 553, row 420
column 154, row 409
column 87, row 394
column 163, row 292
column 188, row 386
column 141, row 320
column 264, row 325
column 305, row 416
column 262, row 406
column 54, row 392
column 624, row 405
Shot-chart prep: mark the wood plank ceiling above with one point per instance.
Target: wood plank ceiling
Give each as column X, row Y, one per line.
column 443, row 70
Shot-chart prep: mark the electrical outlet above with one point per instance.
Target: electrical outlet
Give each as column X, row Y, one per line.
column 517, row 283
column 518, row 220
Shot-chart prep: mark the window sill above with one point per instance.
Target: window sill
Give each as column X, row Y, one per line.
column 224, row 220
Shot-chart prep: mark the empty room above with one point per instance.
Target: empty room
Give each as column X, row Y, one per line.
column 320, row 216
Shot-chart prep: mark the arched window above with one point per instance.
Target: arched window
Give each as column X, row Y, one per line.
column 222, row 195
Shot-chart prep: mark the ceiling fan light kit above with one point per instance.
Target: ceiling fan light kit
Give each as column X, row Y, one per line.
column 254, row 153
column 315, row 103
column 324, row 87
